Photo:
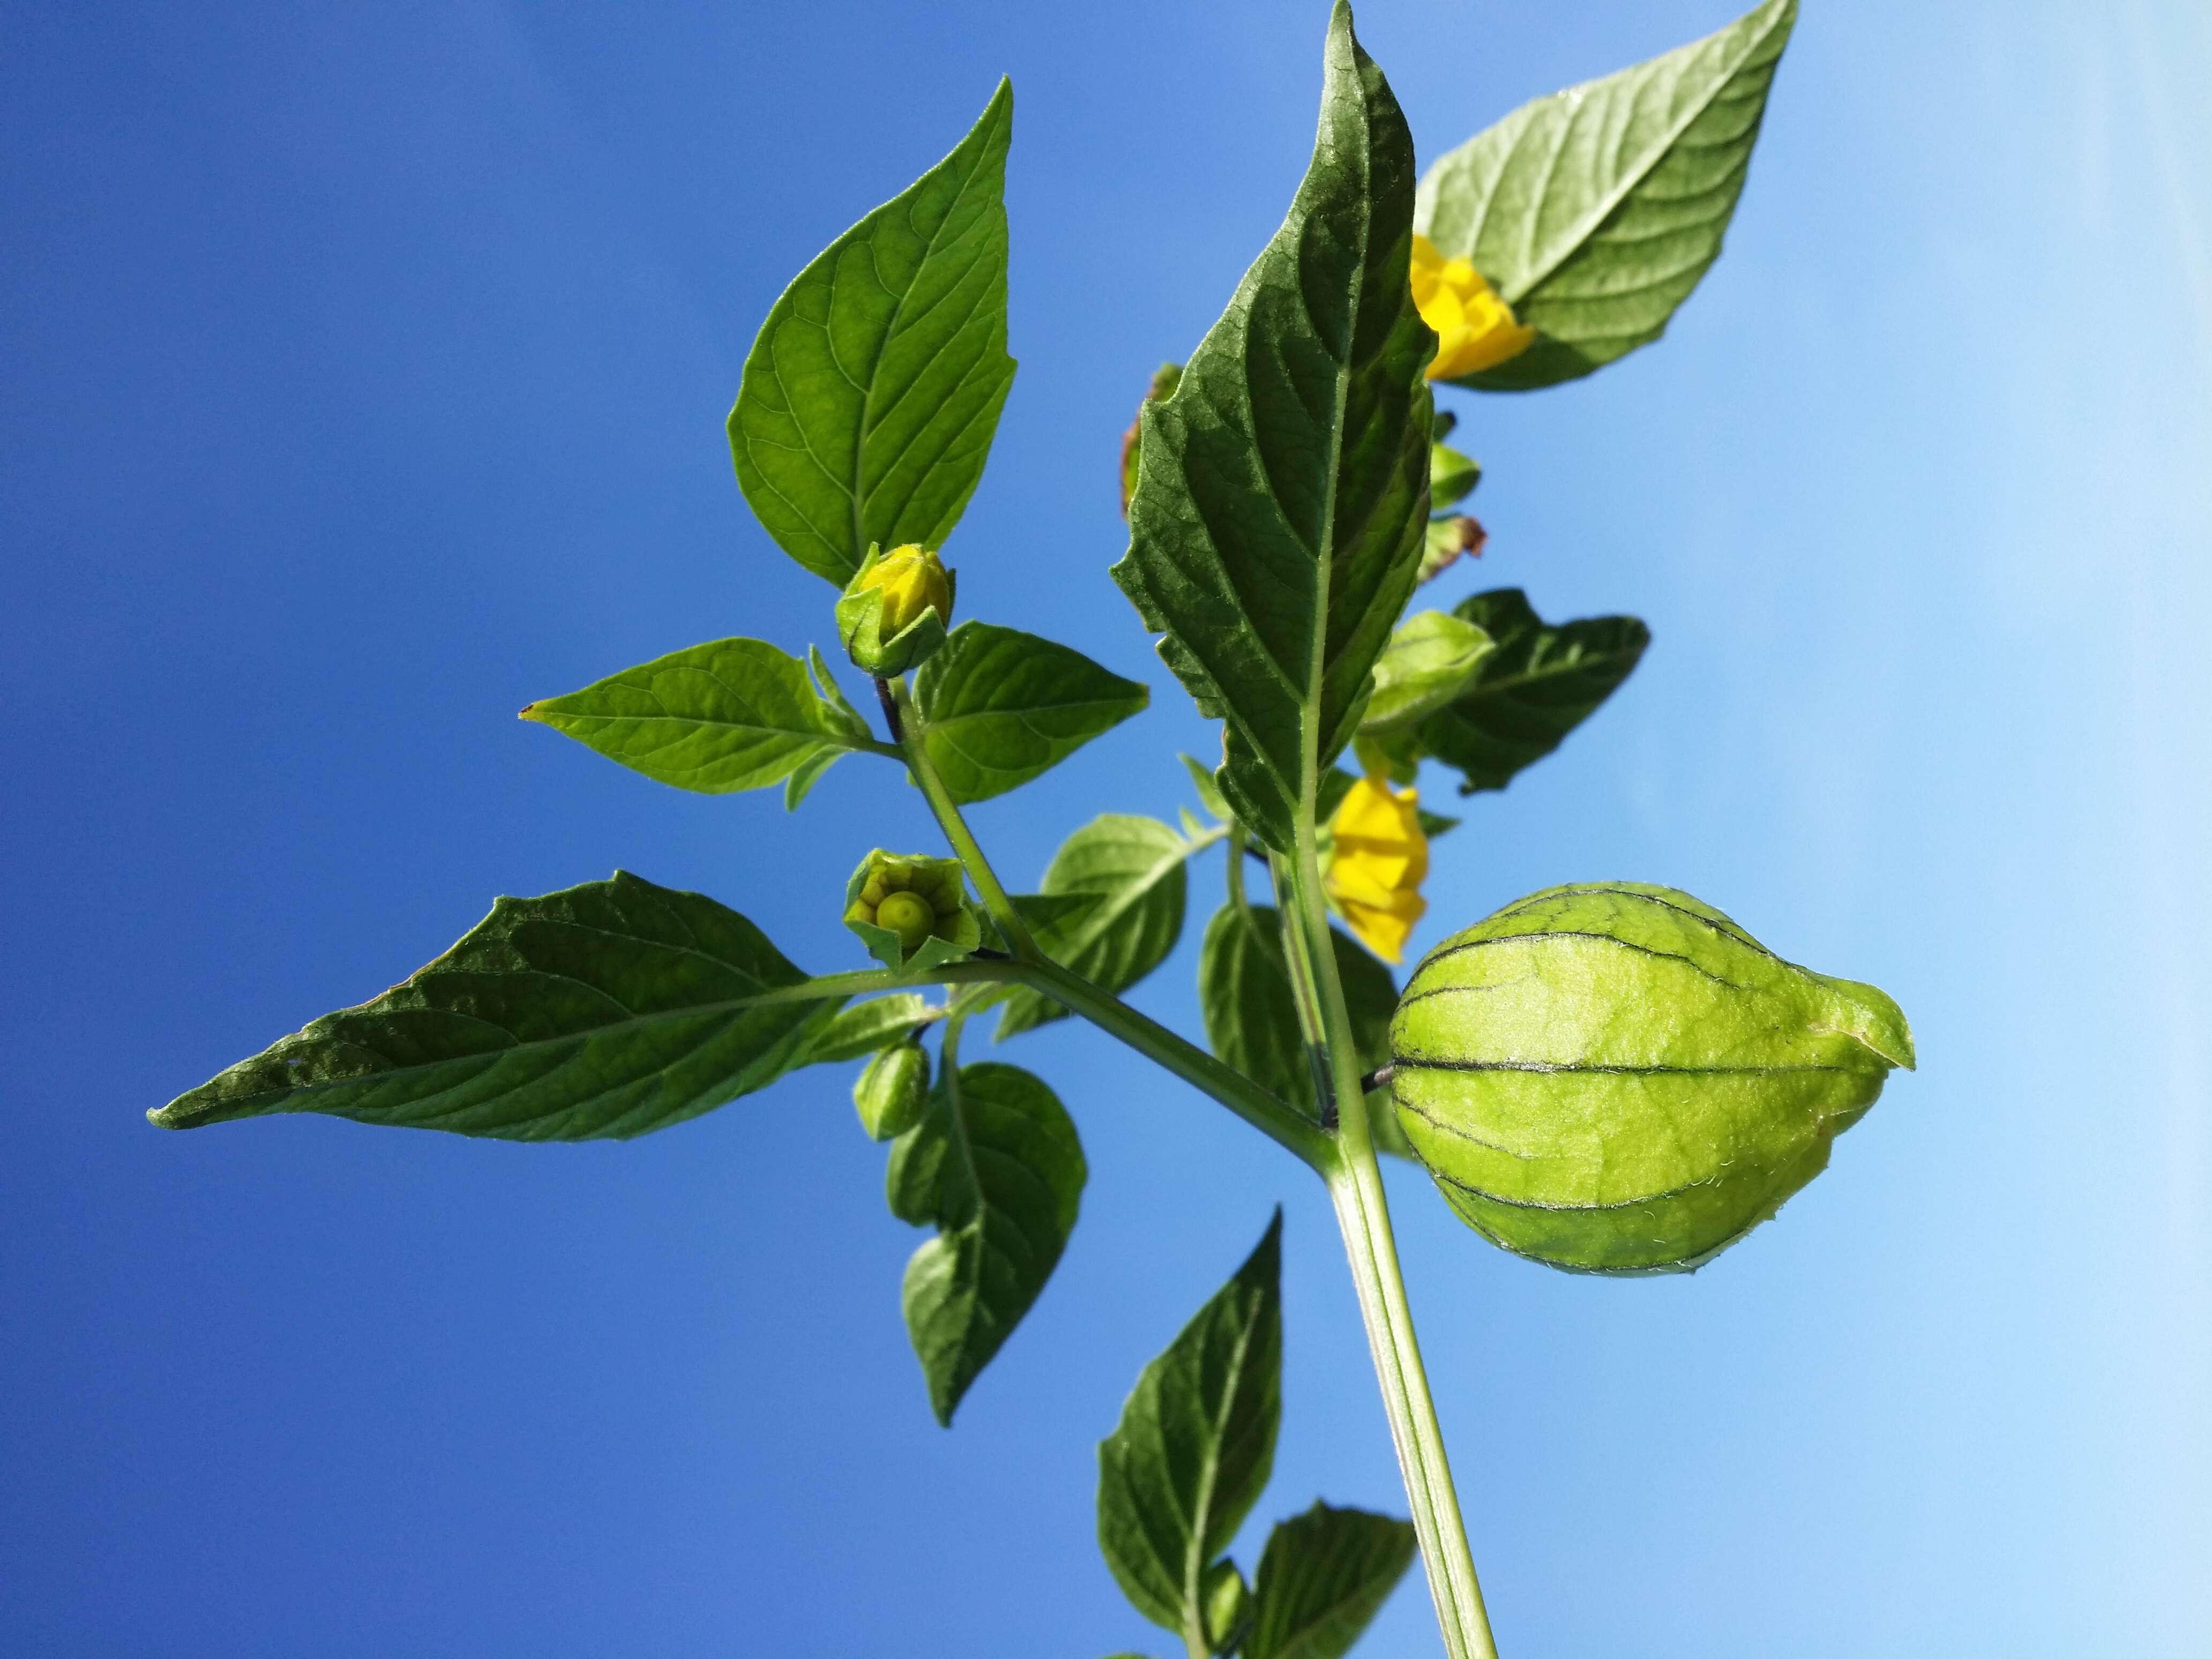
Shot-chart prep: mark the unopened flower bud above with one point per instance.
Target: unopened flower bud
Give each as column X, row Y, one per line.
column 1617, row 1078
column 905, row 907
column 892, row 1091
column 895, row 612
column 1227, row 1602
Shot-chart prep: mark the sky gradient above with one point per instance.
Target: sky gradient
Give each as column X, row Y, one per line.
column 366, row 368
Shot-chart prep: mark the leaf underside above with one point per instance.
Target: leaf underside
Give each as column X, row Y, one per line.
column 1195, row 1444
column 870, row 398
column 603, row 1010
column 1132, row 868
column 1542, row 682
column 1594, row 212
column 1000, row 707
column 1281, row 510
column 996, row 1166
column 1322, row 1578
column 729, row 715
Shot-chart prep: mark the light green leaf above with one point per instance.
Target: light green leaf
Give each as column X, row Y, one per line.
column 603, row 1010
column 800, row 783
column 1541, row 682
column 865, row 1027
column 999, row 707
column 1429, row 660
column 1324, row 1576
column 729, row 715
column 869, row 400
column 1131, row 869
column 1195, row 1445
column 996, row 1166
column 1452, row 477
column 834, row 694
column 1252, row 1014
column 1280, row 512
column 1209, row 792
column 1595, row 211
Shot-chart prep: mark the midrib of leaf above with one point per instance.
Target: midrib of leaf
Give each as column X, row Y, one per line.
column 1193, row 1564
column 868, row 391
column 960, row 1138
column 1572, row 245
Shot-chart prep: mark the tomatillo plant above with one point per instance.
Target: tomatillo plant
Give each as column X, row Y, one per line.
column 1608, row 1078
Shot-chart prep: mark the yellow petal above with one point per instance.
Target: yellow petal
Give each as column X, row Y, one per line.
column 1475, row 330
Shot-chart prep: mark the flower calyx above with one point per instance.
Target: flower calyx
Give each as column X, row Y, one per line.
column 911, row 911
column 1378, row 857
column 894, row 613
column 1475, row 329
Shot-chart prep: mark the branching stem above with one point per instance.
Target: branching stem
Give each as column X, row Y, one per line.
column 906, row 725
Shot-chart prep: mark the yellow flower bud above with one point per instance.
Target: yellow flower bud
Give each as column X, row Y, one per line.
column 1380, row 859
column 902, row 906
column 1475, row 329
column 895, row 611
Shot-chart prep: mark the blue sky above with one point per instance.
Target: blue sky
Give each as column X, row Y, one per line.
column 366, row 370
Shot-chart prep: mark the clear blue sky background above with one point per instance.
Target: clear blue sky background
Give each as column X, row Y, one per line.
column 364, row 376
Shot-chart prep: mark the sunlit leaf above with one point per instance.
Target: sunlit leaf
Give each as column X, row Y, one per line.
column 1000, row 707
column 1324, row 1576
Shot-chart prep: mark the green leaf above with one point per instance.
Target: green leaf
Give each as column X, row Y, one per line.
column 1595, row 211
column 1209, row 791
column 869, row 400
column 1195, row 1444
column 999, row 707
column 1541, row 682
column 996, row 1166
column 1452, row 477
column 607, row 1010
column 1325, row 1574
column 729, row 715
column 865, row 1027
column 1131, row 869
column 1430, row 658
column 1282, row 507
column 1252, row 1013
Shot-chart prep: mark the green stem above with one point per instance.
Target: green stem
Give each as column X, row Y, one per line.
column 1363, row 1215
column 910, row 731
column 1284, row 1125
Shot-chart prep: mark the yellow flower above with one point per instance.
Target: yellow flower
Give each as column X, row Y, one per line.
column 1475, row 329
column 912, row 581
column 1380, row 859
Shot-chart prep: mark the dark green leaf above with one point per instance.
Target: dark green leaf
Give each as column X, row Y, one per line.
column 1209, row 791
column 1540, row 683
column 1195, row 1444
column 869, row 401
column 605, row 1009
column 999, row 707
column 1252, row 1014
column 996, row 1166
column 1595, row 211
column 1131, row 869
column 1325, row 1574
column 1281, row 509
column 729, row 715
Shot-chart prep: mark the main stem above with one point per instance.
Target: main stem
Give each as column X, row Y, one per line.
column 1363, row 1215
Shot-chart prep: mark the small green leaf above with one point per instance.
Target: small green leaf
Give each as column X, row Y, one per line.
column 603, row 1010
column 1594, row 212
column 1252, row 1014
column 729, row 715
column 1195, row 1445
column 1541, row 682
column 1209, row 791
column 996, row 1166
column 869, row 400
column 1324, row 1576
column 865, row 1027
column 797, row 786
column 1282, row 507
column 833, row 694
column 1131, row 869
column 1430, row 658
column 1452, row 477
column 999, row 707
